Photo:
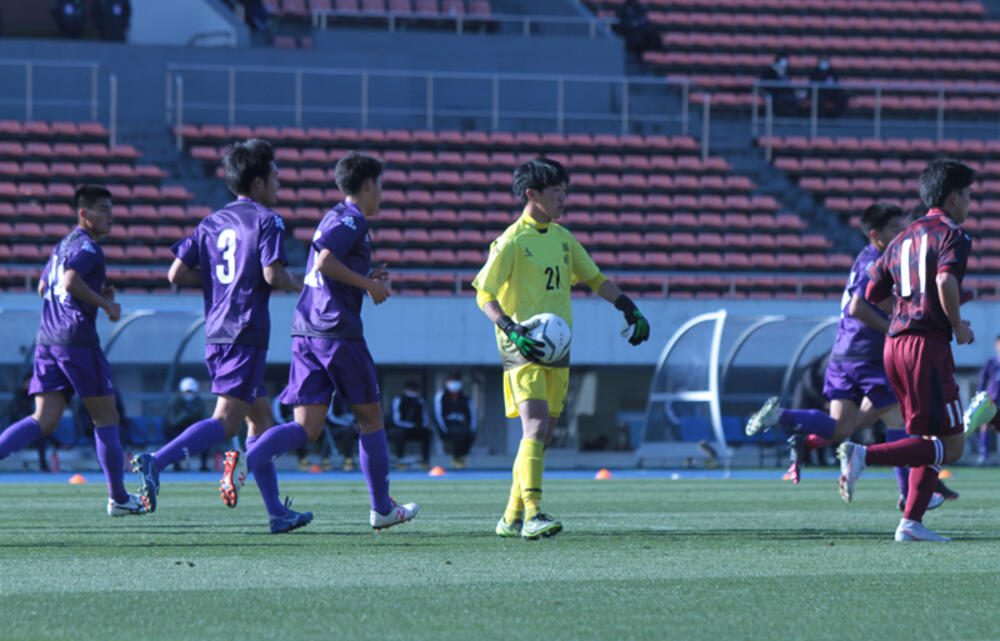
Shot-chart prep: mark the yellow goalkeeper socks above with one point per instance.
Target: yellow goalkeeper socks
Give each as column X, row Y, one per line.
column 531, row 463
column 515, row 507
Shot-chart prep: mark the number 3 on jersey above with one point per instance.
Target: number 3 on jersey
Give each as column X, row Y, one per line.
column 226, row 272
column 905, row 276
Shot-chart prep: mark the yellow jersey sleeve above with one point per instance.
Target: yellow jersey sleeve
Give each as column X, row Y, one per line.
column 497, row 270
column 584, row 268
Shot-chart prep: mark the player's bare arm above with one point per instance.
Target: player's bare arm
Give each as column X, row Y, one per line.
column 331, row 267
column 181, row 274
column 860, row 309
column 78, row 288
column 949, row 294
column 280, row 278
column 42, row 285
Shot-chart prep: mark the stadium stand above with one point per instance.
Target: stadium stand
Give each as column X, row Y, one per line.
column 845, row 174
column 722, row 48
column 643, row 204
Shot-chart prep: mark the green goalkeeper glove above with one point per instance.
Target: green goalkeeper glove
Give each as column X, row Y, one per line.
column 635, row 319
column 518, row 334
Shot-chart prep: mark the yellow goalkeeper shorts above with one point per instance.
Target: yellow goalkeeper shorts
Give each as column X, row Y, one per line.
column 535, row 382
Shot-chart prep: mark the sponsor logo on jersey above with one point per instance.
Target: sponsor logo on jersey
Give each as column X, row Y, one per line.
column 349, row 222
column 88, row 247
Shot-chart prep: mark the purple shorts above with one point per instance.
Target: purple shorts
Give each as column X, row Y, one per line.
column 237, row 370
column 322, row 365
column 854, row 380
column 60, row 368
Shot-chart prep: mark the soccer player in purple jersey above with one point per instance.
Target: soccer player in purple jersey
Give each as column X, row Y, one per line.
column 68, row 356
column 924, row 266
column 237, row 257
column 328, row 345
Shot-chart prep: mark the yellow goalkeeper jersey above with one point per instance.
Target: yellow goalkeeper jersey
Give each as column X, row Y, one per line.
column 530, row 270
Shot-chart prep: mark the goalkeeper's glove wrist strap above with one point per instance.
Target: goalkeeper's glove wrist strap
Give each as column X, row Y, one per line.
column 506, row 324
column 624, row 304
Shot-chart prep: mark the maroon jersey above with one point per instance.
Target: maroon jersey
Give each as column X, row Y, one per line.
column 931, row 245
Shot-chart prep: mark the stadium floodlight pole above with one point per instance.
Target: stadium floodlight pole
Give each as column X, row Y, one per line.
column 754, row 109
column 232, row 96
column 298, row 97
column 685, row 107
column 496, row 102
column 430, row 101
column 560, row 104
column 624, row 106
column 364, row 100
column 169, row 94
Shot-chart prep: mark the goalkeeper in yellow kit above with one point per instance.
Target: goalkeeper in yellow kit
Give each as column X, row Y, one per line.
column 530, row 270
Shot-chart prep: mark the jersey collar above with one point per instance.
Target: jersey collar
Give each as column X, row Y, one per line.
column 937, row 211
column 531, row 222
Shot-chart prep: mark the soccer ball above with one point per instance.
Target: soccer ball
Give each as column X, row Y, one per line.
column 553, row 333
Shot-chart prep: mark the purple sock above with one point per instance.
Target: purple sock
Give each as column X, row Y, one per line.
column 112, row 458
column 267, row 481
column 274, row 442
column 809, row 421
column 192, row 441
column 903, row 479
column 374, row 453
column 19, row 436
column 984, row 443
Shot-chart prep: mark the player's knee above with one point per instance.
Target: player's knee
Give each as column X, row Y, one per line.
column 953, row 449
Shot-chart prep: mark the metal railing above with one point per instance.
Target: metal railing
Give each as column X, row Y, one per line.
column 30, row 98
column 372, row 98
column 527, row 24
column 879, row 97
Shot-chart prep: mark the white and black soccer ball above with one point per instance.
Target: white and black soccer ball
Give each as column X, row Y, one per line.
column 552, row 333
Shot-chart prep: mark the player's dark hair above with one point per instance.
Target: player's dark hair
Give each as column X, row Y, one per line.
column 877, row 215
column 941, row 178
column 411, row 385
column 353, row 170
column 86, row 196
column 538, row 174
column 246, row 161
column 454, row 376
column 918, row 211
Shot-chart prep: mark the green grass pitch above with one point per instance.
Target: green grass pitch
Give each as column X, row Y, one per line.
column 639, row 559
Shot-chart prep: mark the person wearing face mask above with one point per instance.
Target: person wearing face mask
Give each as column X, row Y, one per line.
column 456, row 418
column 832, row 98
column 186, row 407
column 411, row 423
column 785, row 102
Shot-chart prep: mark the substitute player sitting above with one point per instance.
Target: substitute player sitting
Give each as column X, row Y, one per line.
column 530, row 270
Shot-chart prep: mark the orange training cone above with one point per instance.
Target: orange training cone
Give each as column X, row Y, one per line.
column 602, row 474
column 77, row 479
column 944, row 474
column 437, row 470
column 315, row 469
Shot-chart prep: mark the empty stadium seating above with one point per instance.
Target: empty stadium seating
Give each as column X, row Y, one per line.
column 643, row 204
column 846, row 174
column 722, row 48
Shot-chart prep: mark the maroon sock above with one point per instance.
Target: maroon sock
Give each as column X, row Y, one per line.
column 907, row 452
column 923, row 480
column 814, row 442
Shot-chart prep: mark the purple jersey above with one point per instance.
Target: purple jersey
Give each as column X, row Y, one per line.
column 329, row 308
column 989, row 379
column 67, row 320
column 231, row 247
column 856, row 341
column 929, row 246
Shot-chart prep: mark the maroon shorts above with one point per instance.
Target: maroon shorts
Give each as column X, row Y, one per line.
column 922, row 372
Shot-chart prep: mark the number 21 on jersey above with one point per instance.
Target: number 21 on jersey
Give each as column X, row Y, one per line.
column 905, row 272
column 226, row 271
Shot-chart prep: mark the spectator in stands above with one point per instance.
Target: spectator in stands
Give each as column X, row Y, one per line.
column 112, row 18
column 456, row 419
column 411, row 423
column 256, row 16
column 634, row 26
column 70, row 17
column 186, row 407
column 24, row 405
column 832, row 98
column 783, row 99
column 989, row 382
